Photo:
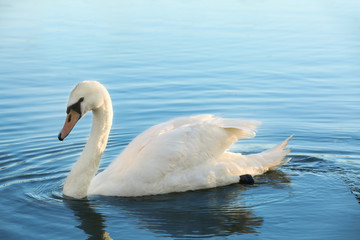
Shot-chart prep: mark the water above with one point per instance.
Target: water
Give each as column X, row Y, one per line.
column 292, row 65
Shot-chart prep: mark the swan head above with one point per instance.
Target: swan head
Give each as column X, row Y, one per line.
column 86, row 96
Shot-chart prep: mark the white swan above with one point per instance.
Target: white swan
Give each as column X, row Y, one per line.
column 186, row 153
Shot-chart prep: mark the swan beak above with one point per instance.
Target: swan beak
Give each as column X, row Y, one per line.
column 71, row 119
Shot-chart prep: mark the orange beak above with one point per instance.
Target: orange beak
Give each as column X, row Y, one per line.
column 71, row 119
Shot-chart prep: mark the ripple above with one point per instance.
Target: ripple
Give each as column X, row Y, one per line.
column 49, row 192
column 328, row 167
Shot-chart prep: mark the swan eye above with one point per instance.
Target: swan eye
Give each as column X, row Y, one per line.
column 75, row 107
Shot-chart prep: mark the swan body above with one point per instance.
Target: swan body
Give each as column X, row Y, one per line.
column 186, row 153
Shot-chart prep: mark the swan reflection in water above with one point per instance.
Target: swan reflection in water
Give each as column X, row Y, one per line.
column 204, row 213
column 91, row 222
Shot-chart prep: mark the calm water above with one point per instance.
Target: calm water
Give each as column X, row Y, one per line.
column 294, row 65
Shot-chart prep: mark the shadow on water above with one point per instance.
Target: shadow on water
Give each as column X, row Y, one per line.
column 200, row 214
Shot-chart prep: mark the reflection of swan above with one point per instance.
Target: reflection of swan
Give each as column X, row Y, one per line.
column 195, row 214
column 92, row 222
column 183, row 154
column 198, row 214
column 207, row 213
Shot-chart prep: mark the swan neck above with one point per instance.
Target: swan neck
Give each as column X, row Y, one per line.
column 79, row 179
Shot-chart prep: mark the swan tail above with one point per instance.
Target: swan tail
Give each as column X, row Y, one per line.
column 269, row 159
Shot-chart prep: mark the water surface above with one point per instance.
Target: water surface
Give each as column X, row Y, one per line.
column 292, row 65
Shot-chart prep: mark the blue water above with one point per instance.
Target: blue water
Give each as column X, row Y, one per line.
column 294, row 65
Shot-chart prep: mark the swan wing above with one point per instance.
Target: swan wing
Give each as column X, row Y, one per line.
column 181, row 147
column 205, row 132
